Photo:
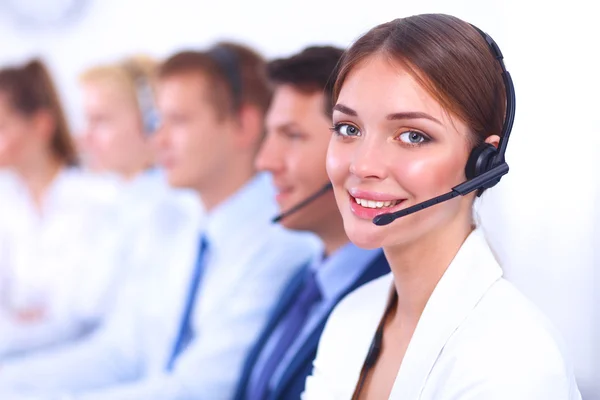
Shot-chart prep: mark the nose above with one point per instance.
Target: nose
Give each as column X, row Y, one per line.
column 368, row 161
column 270, row 156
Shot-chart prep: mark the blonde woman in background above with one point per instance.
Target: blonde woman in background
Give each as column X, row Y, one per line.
column 55, row 220
column 120, row 115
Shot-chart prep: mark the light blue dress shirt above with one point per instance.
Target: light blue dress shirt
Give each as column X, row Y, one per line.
column 249, row 263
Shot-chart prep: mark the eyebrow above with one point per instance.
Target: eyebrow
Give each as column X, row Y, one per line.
column 287, row 126
column 392, row 117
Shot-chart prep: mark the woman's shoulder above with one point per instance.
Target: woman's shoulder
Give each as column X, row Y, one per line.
column 512, row 344
column 346, row 340
column 370, row 298
column 85, row 186
column 511, row 317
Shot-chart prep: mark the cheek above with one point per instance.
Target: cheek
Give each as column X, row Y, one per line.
column 198, row 140
column 190, row 145
column 6, row 142
column 178, row 141
column 337, row 163
column 311, row 164
column 105, row 139
column 12, row 141
column 429, row 176
column 297, row 168
column 103, row 134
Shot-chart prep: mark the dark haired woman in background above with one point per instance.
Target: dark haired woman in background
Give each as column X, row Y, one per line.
column 55, row 220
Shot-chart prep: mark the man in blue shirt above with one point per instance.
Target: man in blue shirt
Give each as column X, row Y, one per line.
column 294, row 151
column 191, row 311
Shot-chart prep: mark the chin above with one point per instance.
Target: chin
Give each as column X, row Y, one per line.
column 176, row 181
column 287, row 224
column 295, row 222
column 365, row 234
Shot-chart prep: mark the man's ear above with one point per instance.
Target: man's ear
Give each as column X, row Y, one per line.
column 250, row 126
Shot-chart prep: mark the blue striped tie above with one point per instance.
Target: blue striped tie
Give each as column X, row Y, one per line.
column 292, row 324
column 185, row 333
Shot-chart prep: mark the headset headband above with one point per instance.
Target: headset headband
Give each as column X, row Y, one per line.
column 228, row 63
column 510, row 97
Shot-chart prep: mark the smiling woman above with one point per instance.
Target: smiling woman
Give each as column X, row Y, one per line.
column 417, row 99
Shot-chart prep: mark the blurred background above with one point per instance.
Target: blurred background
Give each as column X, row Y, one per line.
column 542, row 220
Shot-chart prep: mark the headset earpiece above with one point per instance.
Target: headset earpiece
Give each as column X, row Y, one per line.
column 145, row 98
column 480, row 160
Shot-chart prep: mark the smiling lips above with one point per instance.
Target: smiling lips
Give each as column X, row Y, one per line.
column 366, row 205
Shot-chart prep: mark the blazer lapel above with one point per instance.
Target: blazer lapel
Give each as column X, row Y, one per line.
column 464, row 283
column 289, row 294
column 378, row 267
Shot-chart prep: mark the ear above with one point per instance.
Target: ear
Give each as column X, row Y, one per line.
column 250, row 126
column 494, row 140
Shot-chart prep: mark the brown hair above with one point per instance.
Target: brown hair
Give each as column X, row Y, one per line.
column 449, row 58
column 312, row 70
column 30, row 89
column 239, row 79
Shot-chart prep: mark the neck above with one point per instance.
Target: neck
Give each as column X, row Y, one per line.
column 418, row 266
column 138, row 164
column 332, row 233
column 38, row 174
column 225, row 186
column 132, row 173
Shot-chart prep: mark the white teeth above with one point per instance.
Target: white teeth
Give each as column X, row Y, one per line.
column 375, row 204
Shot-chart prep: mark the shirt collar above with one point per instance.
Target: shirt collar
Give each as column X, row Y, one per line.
column 252, row 202
column 342, row 268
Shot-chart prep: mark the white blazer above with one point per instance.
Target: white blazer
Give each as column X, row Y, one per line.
column 478, row 338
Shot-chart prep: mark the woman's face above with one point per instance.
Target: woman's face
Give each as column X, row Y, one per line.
column 394, row 146
column 113, row 133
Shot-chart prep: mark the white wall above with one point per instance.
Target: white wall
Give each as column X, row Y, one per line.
column 540, row 219
column 543, row 219
column 114, row 28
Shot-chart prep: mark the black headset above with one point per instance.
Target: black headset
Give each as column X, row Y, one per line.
column 485, row 156
column 145, row 97
column 228, row 62
column 485, row 166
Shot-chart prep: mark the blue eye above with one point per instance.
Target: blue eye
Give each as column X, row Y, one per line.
column 346, row 130
column 413, row 137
